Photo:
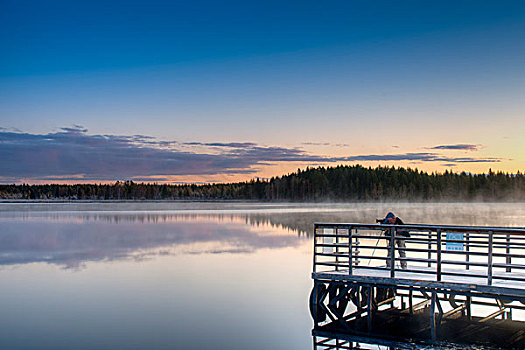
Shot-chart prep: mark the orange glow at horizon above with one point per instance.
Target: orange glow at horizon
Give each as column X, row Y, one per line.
column 266, row 172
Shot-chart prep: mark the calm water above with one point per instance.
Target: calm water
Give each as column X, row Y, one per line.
column 176, row 275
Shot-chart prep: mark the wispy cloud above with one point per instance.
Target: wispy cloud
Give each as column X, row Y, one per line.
column 221, row 144
column 423, row 157
column 325, row 144
column 459, row 146
column 316, row 143
column 73, row 154
column 76, row 129
column 9, row 129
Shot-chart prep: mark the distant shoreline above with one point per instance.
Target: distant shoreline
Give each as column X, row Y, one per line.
column 240, row 201
column 340, row 184
column 134, row 201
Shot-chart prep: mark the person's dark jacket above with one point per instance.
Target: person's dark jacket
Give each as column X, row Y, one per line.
column 398, row 233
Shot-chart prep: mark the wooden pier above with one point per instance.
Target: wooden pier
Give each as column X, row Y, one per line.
column 452, row 284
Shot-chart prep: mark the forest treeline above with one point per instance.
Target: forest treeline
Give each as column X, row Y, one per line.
column 341, row 183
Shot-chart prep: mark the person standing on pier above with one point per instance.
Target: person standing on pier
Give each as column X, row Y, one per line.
column 392, row 219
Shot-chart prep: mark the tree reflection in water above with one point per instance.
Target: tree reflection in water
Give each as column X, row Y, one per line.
column 69, row 234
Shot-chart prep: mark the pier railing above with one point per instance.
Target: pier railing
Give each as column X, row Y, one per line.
column 486, row 255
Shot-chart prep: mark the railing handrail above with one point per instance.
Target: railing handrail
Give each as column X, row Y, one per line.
column 345, row 238
column 496, row 229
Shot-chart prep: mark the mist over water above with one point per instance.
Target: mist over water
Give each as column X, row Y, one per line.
column 187, row 275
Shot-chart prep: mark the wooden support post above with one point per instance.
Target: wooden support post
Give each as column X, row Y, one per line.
column 433, row 316
column 440, row 311
column 370, row 299
column 469, row 307
column 358, row 298
column 411, row 301
column 489, row 272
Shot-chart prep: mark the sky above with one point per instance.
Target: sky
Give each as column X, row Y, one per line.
column 220, row 91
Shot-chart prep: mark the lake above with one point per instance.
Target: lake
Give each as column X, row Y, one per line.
column 166, row 275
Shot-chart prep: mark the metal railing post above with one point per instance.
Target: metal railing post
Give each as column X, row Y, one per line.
column 508, row 258
column 315, row 247
column 392, row 253
column 336, row 249
column 438, row 267
column 429, row 248
column 350, row 251
column 468, row 250
column 489, row 272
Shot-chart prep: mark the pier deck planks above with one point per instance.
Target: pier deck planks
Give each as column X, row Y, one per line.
column 428, row 279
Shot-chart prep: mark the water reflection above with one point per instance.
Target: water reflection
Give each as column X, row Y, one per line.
column 70, row 234
column 216, row 275
column 72, row 240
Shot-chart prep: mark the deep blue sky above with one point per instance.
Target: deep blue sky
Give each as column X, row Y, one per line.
column 380, row 77
column 41, row 37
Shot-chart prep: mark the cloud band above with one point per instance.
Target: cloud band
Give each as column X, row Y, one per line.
column 72, row 153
